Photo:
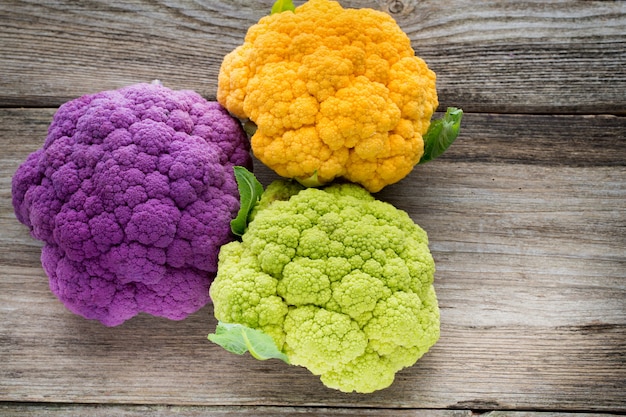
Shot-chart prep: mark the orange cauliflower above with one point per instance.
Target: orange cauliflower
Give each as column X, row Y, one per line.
column 333, row 92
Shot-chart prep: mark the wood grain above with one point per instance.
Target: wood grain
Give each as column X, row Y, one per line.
column 531, row 281
column 526, row 215
column 497, row 56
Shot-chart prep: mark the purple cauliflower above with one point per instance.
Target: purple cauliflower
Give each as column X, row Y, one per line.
column 132, row 194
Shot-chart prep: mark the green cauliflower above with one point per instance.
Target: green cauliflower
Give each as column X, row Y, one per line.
column 329, row 279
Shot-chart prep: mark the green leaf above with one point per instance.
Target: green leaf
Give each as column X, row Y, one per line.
column 250, row 190
column 283, row 6
column 441, row 133
column 239, row 339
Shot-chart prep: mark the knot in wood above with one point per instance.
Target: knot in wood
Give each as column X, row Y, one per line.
column 395, row 6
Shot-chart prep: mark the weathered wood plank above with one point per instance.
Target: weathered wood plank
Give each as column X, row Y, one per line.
column 491, row 56
column 542, row 414
column 80, row 410
column 523, row 56
column 62, row 358
column 531, row 258
column 46, row 410
column 547, row 140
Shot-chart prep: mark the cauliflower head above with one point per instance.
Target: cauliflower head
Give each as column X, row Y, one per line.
column 132, row 194
column 333, row 92
column 340, row 281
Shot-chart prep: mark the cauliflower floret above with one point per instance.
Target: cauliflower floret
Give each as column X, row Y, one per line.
column 132, row 193
column 334, row 93
column 344, row 283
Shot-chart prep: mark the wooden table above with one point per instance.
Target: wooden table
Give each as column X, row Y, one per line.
column 526, row 215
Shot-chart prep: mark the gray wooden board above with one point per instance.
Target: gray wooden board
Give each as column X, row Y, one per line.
column 530, row 275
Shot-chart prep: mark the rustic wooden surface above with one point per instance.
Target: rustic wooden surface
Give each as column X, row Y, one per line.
column 526, row 215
